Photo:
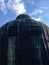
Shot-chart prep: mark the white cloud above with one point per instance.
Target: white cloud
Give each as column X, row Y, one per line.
column 2, row 6
column 37, row 19
column 14, row 2
column 17, row 1
column 31, row 3
column 17, row 6
column 40, row 10
column 37, row 11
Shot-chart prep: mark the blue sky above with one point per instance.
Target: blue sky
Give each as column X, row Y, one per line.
column 37, row 9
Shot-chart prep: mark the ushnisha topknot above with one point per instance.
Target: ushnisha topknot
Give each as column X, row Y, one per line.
column 21, row 16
